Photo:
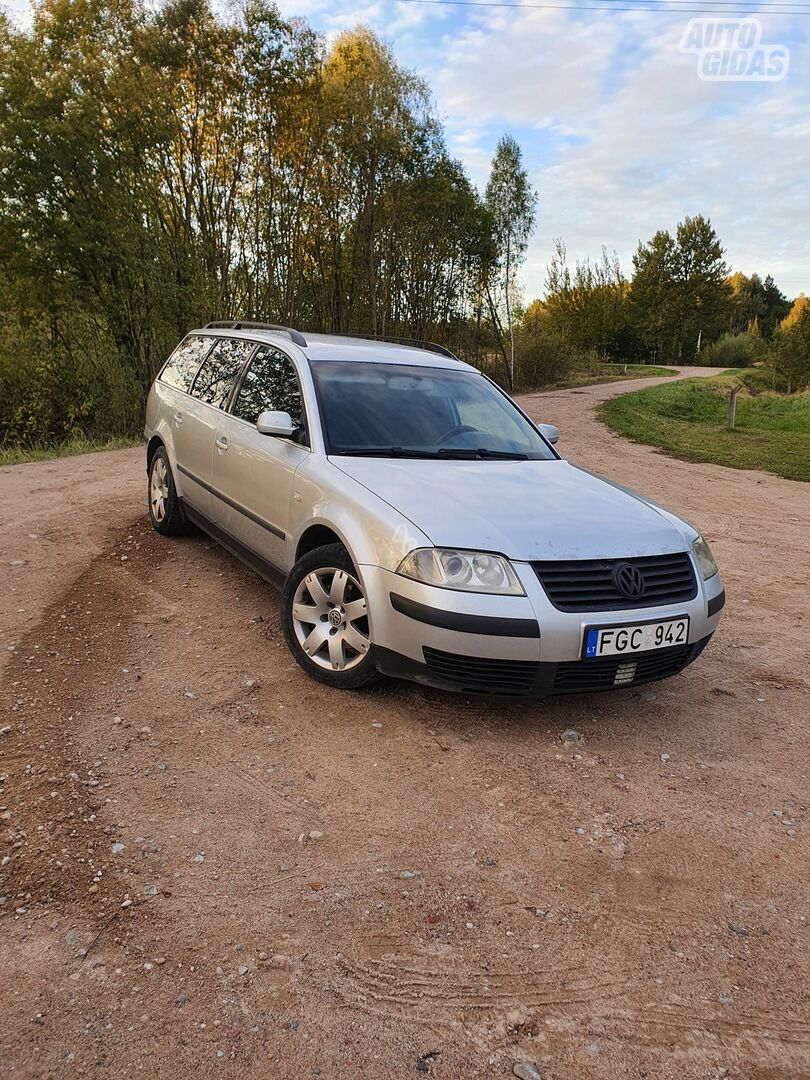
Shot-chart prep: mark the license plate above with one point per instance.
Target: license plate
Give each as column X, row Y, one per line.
column 640, row 637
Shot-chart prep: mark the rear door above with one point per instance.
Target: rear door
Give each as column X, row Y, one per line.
column 196, row 423
column 253, row 473
column 188, row 441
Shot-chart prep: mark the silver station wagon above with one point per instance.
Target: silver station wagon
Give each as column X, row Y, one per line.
column 418, row 522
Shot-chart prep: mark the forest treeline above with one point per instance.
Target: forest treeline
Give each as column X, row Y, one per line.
column 164, row 166
column 681, row 305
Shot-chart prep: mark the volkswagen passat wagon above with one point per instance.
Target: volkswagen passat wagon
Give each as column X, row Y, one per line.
column 419, row 523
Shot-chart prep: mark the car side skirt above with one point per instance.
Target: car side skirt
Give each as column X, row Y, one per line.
column 263, row 567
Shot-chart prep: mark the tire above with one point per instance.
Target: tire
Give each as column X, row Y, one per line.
column 331, row 643
column 165, row 508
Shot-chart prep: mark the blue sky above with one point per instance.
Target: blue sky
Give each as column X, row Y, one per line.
column 620, row 135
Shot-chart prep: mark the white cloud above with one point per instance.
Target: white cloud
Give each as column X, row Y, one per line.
column 524, row 68
column 652, row 141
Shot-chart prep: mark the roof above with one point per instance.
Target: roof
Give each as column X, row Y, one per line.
column 338, row 347
column 331, row 347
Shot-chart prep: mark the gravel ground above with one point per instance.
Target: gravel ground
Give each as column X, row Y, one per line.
column 212, row 866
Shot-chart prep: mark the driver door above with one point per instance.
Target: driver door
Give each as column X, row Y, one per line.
column 253, row 473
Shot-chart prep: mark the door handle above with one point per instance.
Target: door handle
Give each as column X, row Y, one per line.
column 178, row 418
column 221, row 443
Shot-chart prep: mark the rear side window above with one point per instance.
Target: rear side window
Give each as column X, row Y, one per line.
column 270, row 383
column 218, row 373
column 184, row 362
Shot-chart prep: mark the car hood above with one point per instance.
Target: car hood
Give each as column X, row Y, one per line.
column 523, row 509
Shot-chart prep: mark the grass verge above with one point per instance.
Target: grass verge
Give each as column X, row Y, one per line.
column 606, row 373
column 77, row 444
column 687, row 420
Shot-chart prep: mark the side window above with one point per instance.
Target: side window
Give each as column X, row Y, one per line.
column 184, row 362
column 219, row 370
column 270, row 383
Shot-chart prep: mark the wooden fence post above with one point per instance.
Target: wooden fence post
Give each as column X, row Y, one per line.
column 732, row 407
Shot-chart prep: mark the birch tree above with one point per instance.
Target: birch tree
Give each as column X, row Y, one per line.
column 511, row 202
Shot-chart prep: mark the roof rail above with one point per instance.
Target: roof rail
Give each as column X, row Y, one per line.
column 240, row 324
column 432, row 346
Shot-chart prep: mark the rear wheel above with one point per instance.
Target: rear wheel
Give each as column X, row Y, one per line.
column 325, row 619
column 165, row 508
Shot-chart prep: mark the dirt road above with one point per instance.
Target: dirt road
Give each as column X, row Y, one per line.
column 211, row 866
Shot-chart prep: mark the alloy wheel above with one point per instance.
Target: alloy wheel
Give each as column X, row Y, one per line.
column 159, row 489
column 330, row 619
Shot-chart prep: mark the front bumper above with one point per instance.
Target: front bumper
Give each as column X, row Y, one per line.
column 518, row 645
column 516, row 678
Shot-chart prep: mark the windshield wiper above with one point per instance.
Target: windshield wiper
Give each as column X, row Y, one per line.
column 386, row 451
column 510, row 455
column 483, row 452
column 444, row 452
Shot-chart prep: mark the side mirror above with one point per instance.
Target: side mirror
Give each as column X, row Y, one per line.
column 550, row 432
column 279, row 424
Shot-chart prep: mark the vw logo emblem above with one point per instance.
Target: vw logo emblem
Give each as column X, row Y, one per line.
column 335, row 617
column 628, row 580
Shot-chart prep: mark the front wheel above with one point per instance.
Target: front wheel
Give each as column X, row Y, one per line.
column 325, row 619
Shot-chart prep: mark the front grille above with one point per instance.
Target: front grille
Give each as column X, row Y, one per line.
column 588, row 585
column 591, row 676
column 482, row 676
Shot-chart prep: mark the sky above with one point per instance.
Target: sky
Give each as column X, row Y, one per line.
column 620, row 135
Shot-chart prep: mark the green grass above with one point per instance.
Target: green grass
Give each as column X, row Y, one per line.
column 687, row 420
column 77, row 444
column 760, row 378
column 608, row 373
column 639, row 369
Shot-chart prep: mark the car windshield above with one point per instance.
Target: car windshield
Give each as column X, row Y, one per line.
column 396, row 410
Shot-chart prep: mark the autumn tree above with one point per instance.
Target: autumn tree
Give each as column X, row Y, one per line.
column 160, row 167
column 792, row 345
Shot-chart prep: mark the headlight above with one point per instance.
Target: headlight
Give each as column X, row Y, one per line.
column 470, row 571
column 704, row 557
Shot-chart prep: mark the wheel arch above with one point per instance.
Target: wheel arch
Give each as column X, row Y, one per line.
column 372, row 531
column 151, row 448
column 319, row 534
column 161, row 436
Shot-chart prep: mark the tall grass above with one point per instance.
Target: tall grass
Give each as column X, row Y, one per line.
column 76, row 444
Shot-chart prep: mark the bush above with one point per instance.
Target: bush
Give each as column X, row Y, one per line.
column 735, row 350
column 542, row 357
column 54, row 388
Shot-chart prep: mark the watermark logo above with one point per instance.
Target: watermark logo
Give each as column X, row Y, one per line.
column 731, row 50
column 404, row 540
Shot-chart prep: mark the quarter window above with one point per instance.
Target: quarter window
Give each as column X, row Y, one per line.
column 218, row 373
column 270, row 383
column 184, row 362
